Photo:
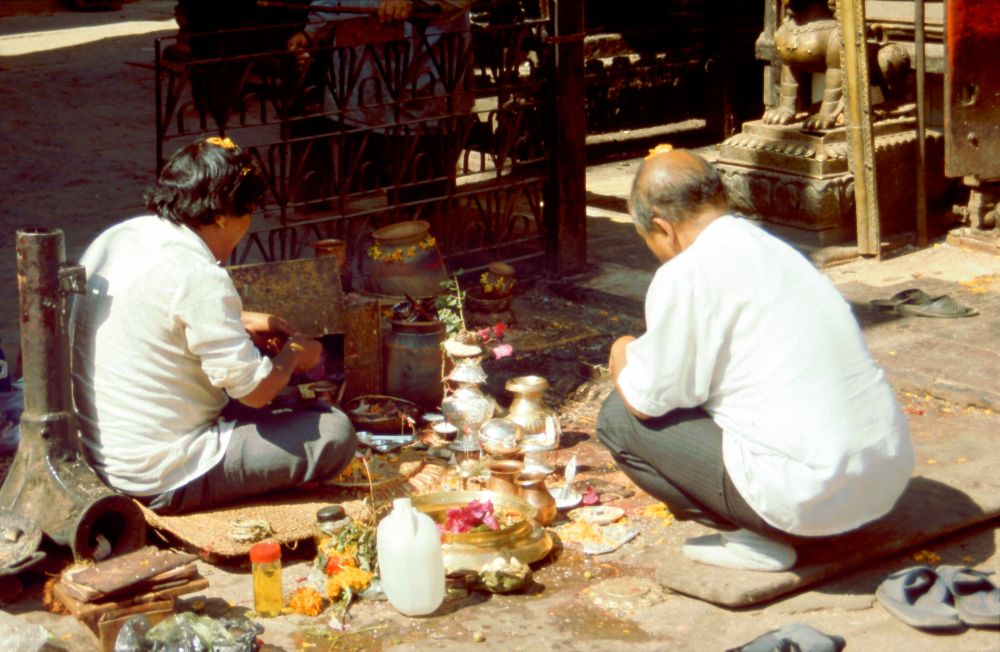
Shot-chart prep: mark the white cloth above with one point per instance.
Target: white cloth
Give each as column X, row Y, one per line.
column 157, row 345
column 411, row 89
column 744, row 326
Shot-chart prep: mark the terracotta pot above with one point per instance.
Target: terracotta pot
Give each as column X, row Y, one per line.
column 338, row 248
column 535, row 493
column 413, row 361
column 405, row 260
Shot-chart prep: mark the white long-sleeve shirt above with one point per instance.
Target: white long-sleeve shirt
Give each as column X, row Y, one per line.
column 158, row 343
column 744, row 326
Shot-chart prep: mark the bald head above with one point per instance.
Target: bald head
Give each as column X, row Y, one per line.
column 674, row 185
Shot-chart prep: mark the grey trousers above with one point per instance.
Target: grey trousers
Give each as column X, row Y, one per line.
column 677, row 459
column 267, row 451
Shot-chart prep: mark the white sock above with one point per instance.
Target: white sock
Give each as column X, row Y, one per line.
column 742, row 550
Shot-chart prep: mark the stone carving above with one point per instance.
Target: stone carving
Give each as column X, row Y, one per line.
column 809, row 41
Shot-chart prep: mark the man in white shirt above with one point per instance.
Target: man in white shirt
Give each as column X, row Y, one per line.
column 751, row 403
column 161, row 345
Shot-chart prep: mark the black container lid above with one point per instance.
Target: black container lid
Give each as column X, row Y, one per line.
column 330, row 513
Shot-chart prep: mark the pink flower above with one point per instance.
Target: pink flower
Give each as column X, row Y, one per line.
column 474, row 515
column 485, row 334
column 502, row 351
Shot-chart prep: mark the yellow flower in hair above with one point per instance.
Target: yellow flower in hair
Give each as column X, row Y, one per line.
column 225, row 143
column 662, row 148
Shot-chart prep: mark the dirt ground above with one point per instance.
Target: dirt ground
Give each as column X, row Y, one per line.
column 79, row 150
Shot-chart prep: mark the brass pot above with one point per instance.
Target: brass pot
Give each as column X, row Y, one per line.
column 524, row 540
column 527, row 409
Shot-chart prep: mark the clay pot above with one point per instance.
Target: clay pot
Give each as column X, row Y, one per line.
column 534, row 492
column 405, row 260
column 413, row 361
column 502, row 474
column 497, row 282
column 338, row 248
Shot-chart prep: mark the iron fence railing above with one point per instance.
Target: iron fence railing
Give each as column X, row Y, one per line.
column 447, row 127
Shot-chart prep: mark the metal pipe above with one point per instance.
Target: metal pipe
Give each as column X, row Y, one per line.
column 918, row 24
column 49, row 481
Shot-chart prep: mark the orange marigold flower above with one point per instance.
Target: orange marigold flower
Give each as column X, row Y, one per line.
column 349, row 578
column 306, row 601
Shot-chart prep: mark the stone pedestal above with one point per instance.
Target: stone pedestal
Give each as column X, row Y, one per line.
column 798, row 179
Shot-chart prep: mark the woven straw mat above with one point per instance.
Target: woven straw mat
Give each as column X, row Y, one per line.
column 291, row 515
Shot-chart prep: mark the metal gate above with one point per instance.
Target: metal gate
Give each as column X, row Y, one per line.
column 352, row 134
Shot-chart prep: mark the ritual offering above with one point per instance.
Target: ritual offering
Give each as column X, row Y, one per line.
column 377, row 470
column 468, row 539
column 382, row 414
column 505, row 575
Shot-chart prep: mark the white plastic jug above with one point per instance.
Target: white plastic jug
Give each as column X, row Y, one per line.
column 410, row 560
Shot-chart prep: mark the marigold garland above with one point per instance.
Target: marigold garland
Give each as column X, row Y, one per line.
column 397, row 254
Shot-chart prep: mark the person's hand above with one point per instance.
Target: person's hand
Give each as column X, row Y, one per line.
column 268, row 332
column 616, row 361
column 391, row 11
column 307, row 353
column 299, row 44
column 264, row 323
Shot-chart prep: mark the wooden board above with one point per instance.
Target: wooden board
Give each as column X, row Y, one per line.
column 105, row 619
column 145, row 567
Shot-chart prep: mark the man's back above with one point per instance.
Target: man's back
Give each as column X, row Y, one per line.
column 742, row 325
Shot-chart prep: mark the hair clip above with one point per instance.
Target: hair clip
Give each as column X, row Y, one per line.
column 662, row 148
column 225, row 143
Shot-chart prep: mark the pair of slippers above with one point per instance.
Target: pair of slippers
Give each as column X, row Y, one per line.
column 946, row 599
column 917, row 303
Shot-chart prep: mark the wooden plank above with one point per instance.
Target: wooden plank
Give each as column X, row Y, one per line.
column 147, row 565
column 566, row 205
column 859, row 125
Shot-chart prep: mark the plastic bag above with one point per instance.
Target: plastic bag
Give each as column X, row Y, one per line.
column 20, row 635
column 188, row 632
column 11, row 407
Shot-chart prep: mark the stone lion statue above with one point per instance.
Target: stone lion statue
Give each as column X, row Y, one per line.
column 809, row 41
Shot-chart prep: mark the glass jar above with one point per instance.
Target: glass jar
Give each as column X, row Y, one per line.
column 330, row 520
column 265, row 560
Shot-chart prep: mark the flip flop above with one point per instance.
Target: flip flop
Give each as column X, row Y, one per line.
column 942, row 306
column 911, row 295
column 919, row 598
column 976, row 598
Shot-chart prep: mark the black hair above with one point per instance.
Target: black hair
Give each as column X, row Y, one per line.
column 204, row 180
column 676, row 194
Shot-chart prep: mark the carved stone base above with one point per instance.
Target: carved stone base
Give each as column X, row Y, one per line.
column 785, row 176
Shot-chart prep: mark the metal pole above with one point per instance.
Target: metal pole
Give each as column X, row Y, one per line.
column 49, row 481
column 859, row 125
column 918, row 23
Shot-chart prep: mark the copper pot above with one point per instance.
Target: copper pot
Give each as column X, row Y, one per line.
column 502, row 474
column 535, row 493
